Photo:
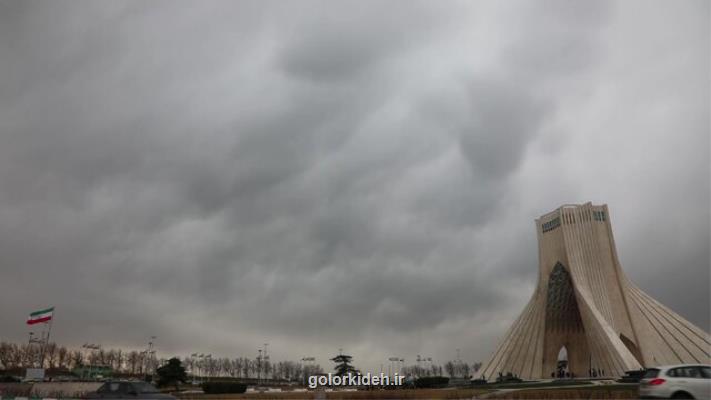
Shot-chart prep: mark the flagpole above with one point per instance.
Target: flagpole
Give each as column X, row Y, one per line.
column 46, row 340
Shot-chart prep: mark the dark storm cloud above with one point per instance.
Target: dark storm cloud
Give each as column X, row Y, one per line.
column 503, row 118
column 222, row 174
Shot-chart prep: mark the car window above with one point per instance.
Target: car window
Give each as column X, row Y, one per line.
column 676, row 373
column 126, row 388
column 109, row 387
column 651, row 373
column 692, row 372
column 144, row 387
column 706, row 372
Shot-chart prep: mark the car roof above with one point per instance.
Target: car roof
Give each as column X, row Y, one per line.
column 679, row 366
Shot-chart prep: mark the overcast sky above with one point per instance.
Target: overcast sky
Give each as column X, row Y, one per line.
column 354, row 174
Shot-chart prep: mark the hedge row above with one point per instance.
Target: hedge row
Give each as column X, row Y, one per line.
column 431, row 382
column 223, row 387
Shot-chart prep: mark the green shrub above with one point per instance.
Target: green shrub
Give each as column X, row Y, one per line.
column 431, row 382
column 223, row 387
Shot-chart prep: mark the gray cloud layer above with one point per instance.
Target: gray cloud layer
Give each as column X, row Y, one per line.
column 320, row 176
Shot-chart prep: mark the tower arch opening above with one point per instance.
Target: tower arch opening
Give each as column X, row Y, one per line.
column 562, row 370
column 566, row 346
column 562, row 313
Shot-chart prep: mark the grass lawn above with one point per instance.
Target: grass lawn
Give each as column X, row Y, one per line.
column 528, row 390
column 616, row 391
column 467, row 393
column 524, row 385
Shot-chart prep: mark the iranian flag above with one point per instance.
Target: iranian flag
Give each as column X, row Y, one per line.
column 40, row 316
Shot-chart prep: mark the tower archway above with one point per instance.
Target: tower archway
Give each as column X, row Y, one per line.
column 562, row 370
column 566, row 344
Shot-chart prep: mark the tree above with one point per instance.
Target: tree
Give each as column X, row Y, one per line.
column 118, row 359
column 7, row 355
column 62, row 357
column 76, row 359
column 172, row 373
column 250, row 367
column 343, row 365
column 133, row 359
column 450, row 368
column 50, row 351
column 237, row 366
column 476, row 366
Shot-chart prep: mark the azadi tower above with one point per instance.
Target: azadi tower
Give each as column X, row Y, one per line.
column 585, row 303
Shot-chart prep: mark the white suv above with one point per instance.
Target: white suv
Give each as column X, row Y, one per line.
column 687, row 381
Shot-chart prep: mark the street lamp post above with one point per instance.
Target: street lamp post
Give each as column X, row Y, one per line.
column 259, row 367
column 308, row 366
column 201, row 366
column 192, row 364
column 459, row 362
column 394, row 362
column 90, row 347
column 149, row 360
column 209, row 366
column 266, row 361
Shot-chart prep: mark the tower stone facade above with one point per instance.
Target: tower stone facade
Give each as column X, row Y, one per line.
column 584, row 303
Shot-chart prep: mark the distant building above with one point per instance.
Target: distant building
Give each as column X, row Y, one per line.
column 585, row 304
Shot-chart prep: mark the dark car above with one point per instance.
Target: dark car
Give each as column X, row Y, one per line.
column 128, row 390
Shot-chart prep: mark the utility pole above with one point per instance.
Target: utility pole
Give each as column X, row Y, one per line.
column 201, row 366
column 46, row 341
column 150, row 356
column 308, row 367
column 392, row 368
column 266, row 361
column 459, row 362
column 90, row 347
column 192, row 364
column 259, row 366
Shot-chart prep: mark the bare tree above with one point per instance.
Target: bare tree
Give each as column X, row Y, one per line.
column 247, row 367
column 226, row 367
column 77, row 359
column 450, row 368
column 118, row 360
column 29, row 355
column 133, row 359
column 50, row 354
column 7, row 355
column 62, row 357
column 237, row 366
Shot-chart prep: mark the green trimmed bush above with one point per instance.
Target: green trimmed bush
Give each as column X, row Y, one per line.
column 430, row 382
column 223, row 387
